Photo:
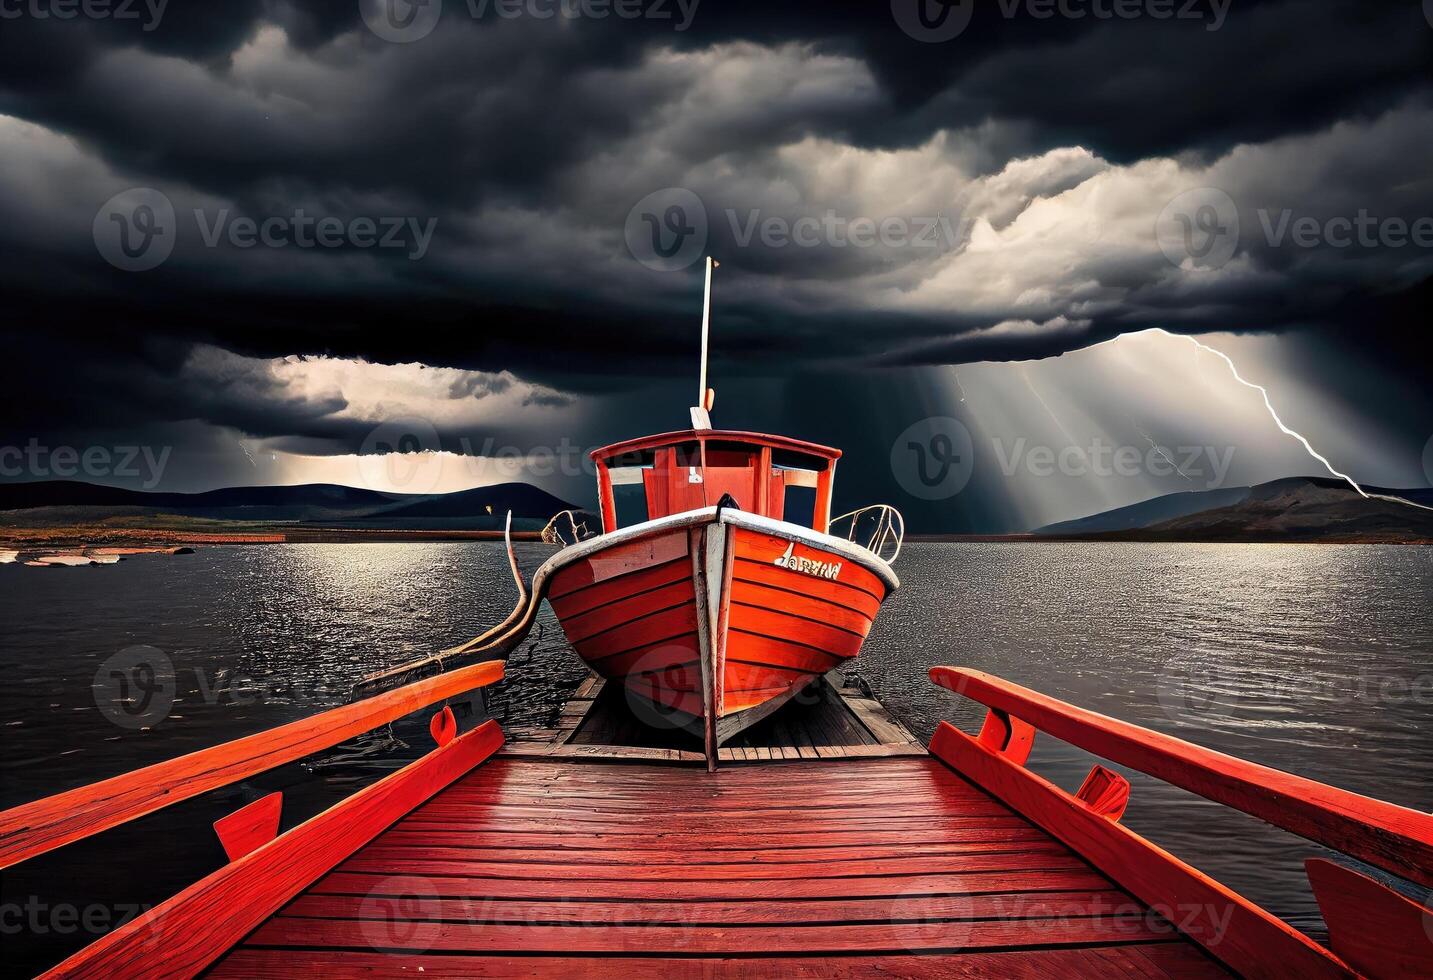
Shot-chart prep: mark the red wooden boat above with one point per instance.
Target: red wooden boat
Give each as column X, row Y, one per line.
column 715, row 592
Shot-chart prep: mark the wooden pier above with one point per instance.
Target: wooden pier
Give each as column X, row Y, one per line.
column 828, row 845
column 892, row 866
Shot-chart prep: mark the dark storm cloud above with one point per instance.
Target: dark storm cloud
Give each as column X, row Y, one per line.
column 526, row 142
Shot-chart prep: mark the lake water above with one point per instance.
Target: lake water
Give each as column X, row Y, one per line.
column 1317, row 660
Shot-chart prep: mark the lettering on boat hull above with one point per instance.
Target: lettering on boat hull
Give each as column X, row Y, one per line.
column 806, row 566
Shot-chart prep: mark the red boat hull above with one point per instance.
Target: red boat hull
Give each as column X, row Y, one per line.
column 715, row 625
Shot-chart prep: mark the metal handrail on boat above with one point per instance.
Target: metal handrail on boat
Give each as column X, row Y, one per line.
column 1366, row 918
column 888, row 530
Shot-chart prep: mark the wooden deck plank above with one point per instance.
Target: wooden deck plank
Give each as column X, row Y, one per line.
column 952, row 908
column 472, row 836
column 1132, row 962
column 603, row 939
column 992, row 859
column 1053, row 874
column 541, row 866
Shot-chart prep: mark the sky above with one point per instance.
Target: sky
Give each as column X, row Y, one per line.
column 269, row 242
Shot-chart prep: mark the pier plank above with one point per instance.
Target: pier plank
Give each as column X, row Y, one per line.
column 1133, row 962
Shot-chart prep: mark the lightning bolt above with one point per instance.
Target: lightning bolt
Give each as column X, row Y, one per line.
column 1069, row 439
column 1159, row 449
column 1273, row 414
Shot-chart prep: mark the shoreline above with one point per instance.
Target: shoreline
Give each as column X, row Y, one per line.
column 105, row 545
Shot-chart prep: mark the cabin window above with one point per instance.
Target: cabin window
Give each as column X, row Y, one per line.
column 629, row 486
column 795, row 474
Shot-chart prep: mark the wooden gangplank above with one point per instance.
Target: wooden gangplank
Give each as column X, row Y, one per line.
column 540, row 866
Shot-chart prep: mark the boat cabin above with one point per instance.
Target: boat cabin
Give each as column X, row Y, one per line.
column 656, row 476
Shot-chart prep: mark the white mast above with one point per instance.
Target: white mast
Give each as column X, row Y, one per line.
column 700, row 417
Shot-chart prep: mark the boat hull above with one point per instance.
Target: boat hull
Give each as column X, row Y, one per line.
column 711, row 624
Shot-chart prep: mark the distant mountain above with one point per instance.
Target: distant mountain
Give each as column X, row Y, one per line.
column 523, row 499
column 1147, row 512
column 1294, row 509
column 57, row 501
